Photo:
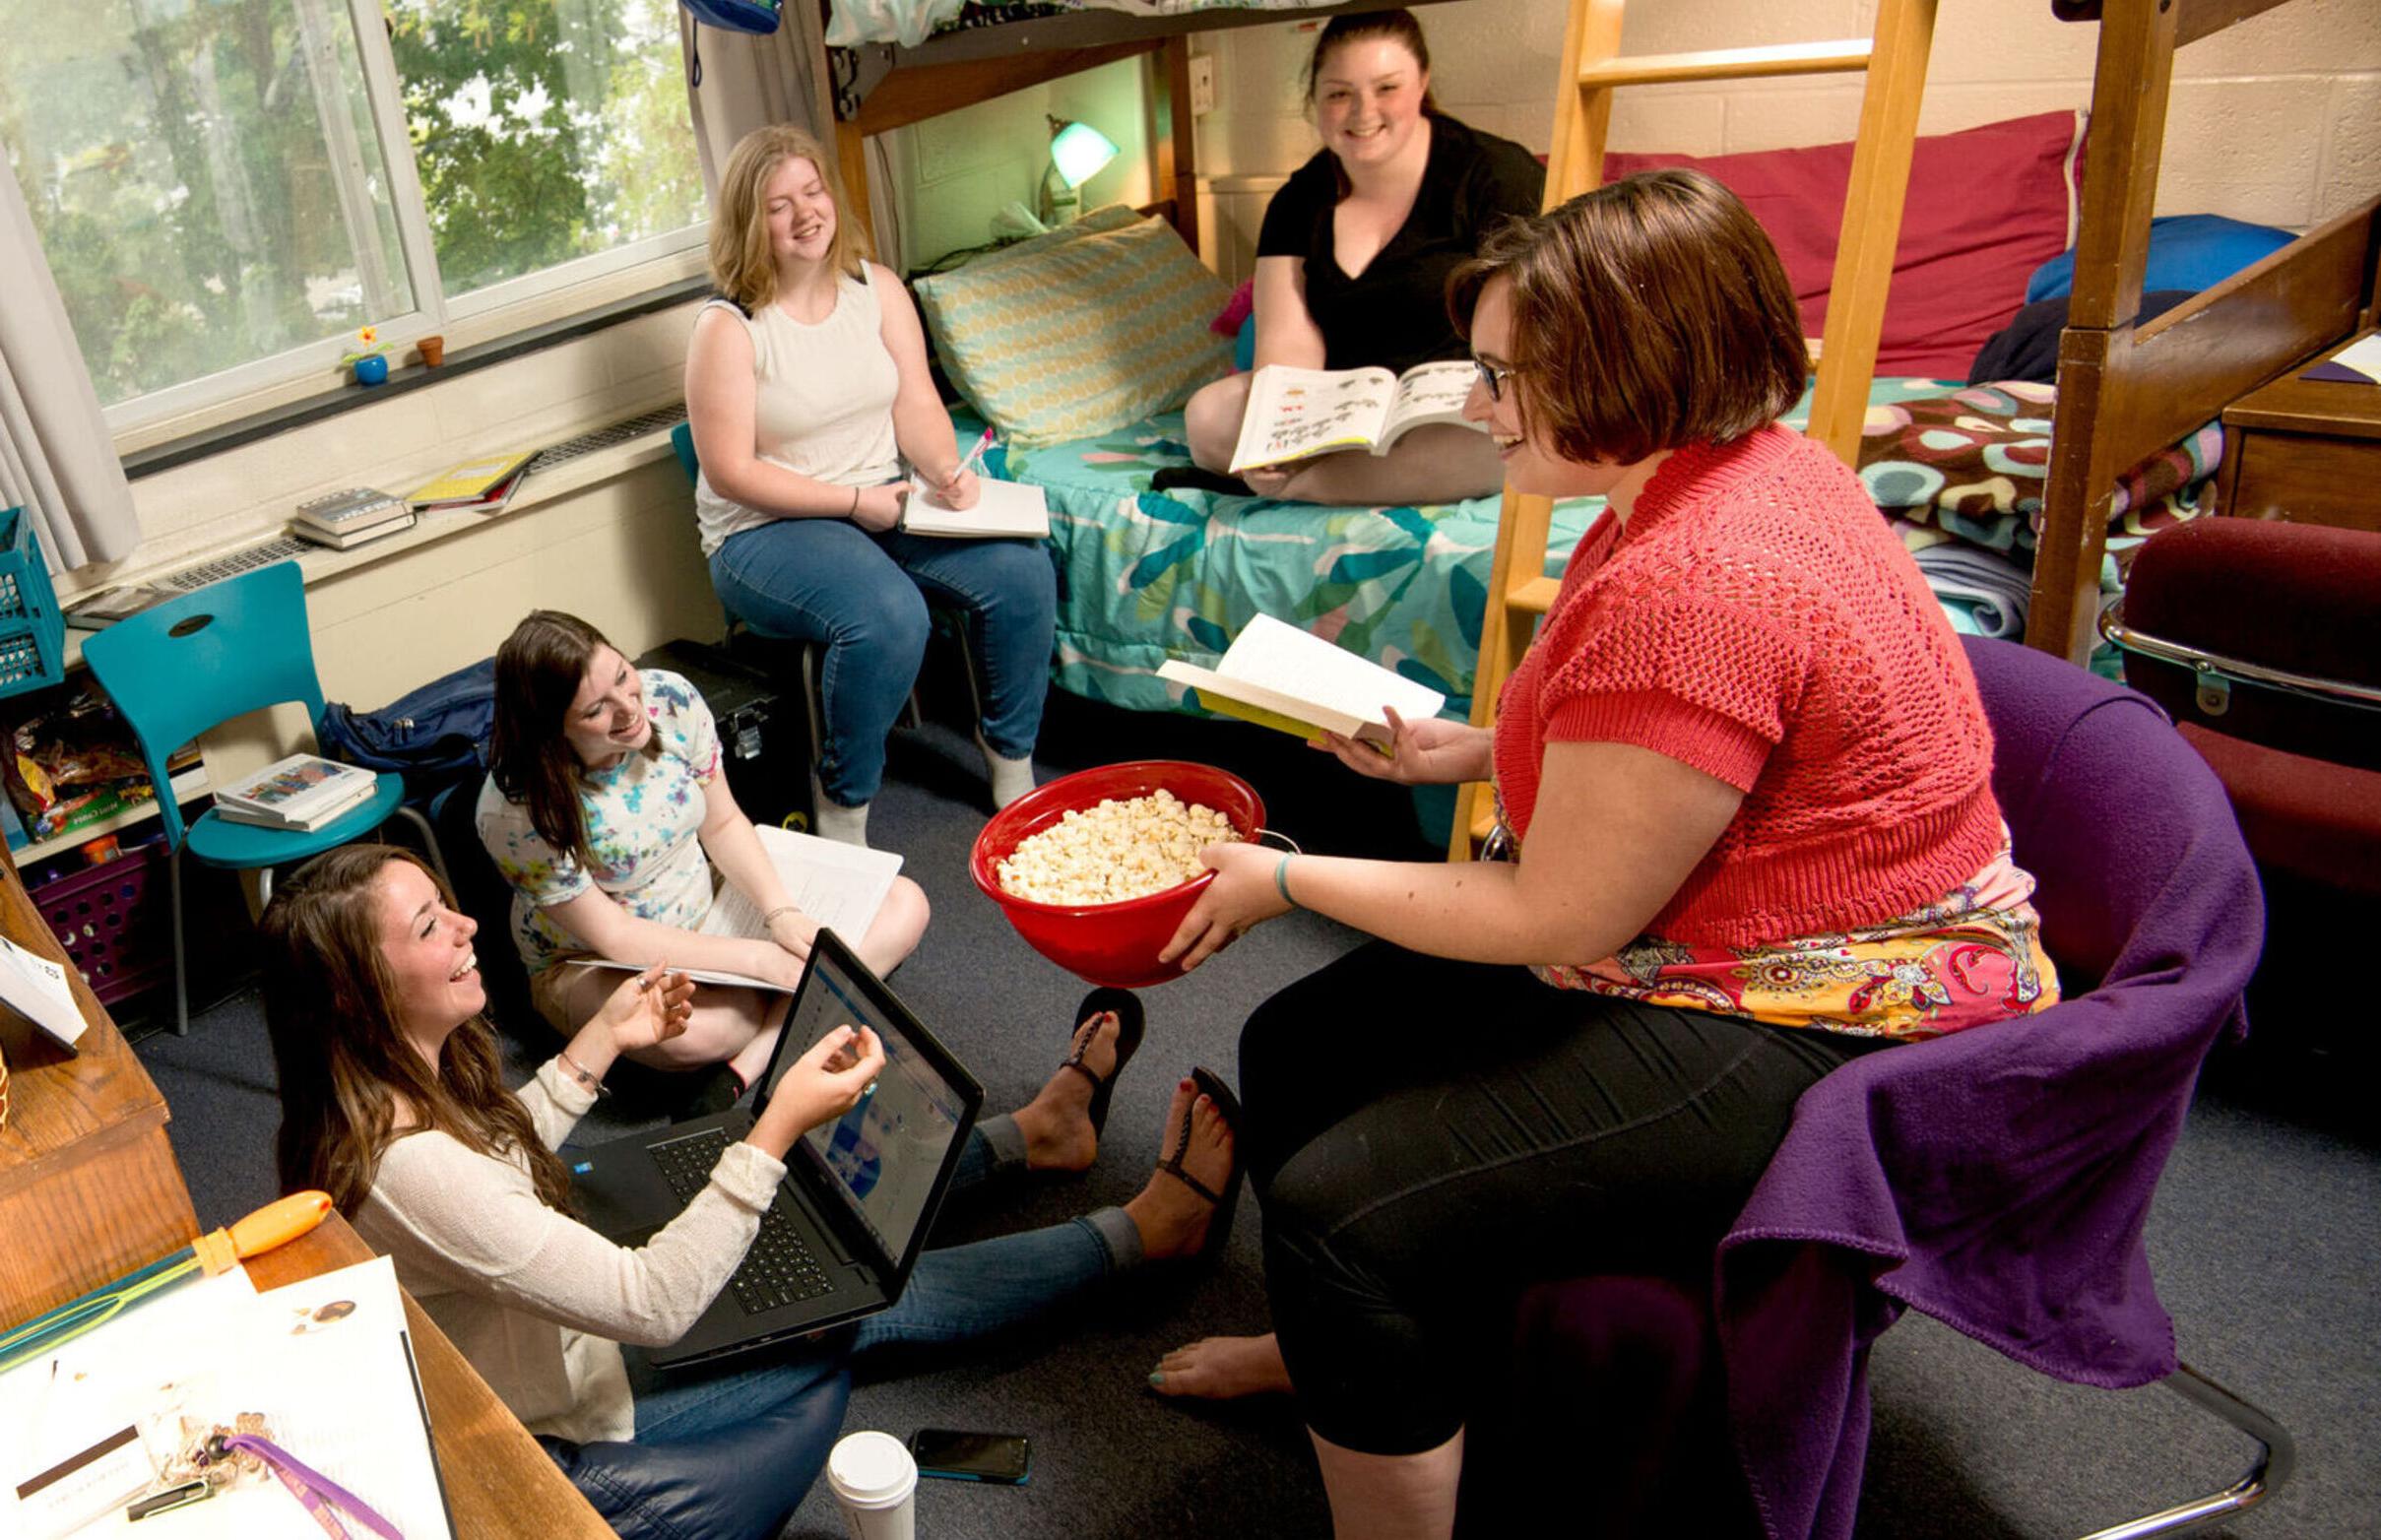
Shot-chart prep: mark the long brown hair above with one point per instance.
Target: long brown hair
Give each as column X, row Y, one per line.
column 331, row 1009
column 539, row 671
column 1650, row 314
column 742, row 267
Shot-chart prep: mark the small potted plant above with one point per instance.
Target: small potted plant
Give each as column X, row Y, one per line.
column 371, row 360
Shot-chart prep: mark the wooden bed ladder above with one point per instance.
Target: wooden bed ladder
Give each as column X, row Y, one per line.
column 1594, row 68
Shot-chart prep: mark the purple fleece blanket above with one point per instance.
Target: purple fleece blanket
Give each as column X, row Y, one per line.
column 1998, row 1178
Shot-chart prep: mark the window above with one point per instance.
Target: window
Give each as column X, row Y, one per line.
column 226, row 189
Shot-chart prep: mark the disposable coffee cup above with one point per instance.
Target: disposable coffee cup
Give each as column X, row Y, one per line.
column 875, row 1484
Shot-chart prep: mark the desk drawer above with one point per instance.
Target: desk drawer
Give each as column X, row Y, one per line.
column 2308, row 478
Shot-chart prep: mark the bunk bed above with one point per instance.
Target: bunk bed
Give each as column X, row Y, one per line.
column 2125, row 390
column 882, row 86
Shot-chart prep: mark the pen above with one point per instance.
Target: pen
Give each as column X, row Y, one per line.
column 975, row 456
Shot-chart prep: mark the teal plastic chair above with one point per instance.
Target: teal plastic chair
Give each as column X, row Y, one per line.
column 193, row 663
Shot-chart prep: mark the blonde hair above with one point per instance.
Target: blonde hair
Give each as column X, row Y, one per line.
column 741, row 265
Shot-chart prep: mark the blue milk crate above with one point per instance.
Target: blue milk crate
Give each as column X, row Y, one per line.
column 33, row 629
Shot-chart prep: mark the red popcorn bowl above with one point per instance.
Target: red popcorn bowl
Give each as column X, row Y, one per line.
column 1109, row 944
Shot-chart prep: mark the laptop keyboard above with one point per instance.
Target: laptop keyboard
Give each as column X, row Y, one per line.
column 780, row 1269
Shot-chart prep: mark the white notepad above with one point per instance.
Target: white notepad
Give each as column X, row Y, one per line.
column 1004, row 510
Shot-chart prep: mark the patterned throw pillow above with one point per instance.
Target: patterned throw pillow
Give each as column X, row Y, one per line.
column 1079, row 332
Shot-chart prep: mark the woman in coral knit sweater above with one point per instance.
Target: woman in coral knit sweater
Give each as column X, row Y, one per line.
column 1748, row 834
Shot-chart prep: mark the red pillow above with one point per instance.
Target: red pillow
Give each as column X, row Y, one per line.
column 1986, row 206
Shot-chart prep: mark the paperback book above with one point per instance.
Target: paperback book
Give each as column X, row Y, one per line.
column 1279, row 676
column 1294, row 414
column 302, row 792
column 473, row 483
column 841, row 887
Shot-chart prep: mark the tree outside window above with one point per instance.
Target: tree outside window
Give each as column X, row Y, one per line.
column 225, row 189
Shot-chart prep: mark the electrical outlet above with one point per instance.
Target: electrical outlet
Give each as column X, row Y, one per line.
column 1202, row 84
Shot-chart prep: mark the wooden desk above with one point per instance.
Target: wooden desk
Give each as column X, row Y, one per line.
column 88, row 1186
column 498, row 1482
column 2307, row 450
column 89, row 1189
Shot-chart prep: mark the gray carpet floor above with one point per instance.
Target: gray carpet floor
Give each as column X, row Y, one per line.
column 2263, row 1240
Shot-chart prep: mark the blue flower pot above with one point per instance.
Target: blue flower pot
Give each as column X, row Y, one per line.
column 371, row 370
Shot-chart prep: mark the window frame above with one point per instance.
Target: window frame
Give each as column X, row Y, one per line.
column 514, row 305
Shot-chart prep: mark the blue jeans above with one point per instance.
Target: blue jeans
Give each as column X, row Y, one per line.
column 730, row 1451
column 864, row 596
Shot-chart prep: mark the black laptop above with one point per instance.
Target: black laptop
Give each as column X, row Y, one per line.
column 851, row 1214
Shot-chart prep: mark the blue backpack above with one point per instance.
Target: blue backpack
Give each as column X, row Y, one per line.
column 433, row 737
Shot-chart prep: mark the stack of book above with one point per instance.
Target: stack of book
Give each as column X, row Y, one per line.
column 302, row 792
column 343, row 520
column 483, row 485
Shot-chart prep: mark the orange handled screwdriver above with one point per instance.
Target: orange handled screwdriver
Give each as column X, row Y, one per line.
column 275, row 1224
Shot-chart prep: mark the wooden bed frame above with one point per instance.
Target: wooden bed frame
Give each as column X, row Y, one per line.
column 2125, row 393
column 883, row 85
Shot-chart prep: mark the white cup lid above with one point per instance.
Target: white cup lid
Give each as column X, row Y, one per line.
column 869, row 1467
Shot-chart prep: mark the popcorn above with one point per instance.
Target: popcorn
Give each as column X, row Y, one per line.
column 1115, row 851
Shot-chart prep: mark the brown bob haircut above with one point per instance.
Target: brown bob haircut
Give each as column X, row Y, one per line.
column 741, row 266
column 1650, row 314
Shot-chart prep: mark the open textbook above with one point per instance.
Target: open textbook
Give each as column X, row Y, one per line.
column 841, row 887
column 1013, row 509
column 1278, row 677
column 1296, row 412
column 322, row 1369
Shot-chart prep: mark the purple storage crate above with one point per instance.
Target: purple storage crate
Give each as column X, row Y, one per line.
column 112, row 919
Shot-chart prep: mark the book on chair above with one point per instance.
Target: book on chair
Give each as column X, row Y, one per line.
column 302, row 792
column 1293, row 413
column 1279, row 676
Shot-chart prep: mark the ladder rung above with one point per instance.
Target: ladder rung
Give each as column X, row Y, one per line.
column 1790, row 58
column 1534, row 597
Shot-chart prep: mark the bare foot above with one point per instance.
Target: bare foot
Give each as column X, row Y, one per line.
column 1223, row 1369
column 1172, row 1218
column 1057, row 1124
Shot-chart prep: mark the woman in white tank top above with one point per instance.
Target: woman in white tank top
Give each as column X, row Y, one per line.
column 814, row 416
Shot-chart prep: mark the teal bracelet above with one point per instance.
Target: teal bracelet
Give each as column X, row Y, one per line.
column 1281, row 879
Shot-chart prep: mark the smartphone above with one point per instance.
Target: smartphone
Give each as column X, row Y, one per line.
column 958, row 1455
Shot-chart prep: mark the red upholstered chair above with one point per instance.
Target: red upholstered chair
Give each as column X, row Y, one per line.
column 2262, row 641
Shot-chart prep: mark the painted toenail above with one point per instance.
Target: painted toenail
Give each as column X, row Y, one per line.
column 1157, row 1376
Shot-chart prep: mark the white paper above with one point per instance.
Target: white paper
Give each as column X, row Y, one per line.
column 1004, row 509
column 839, row 885
column 38, row 988
column 326, row 1360
column 2364, row 357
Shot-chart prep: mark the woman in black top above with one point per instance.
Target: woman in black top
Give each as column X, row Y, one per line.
column 1352, row 262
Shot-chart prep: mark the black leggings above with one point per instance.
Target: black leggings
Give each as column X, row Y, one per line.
column 1429, row 1136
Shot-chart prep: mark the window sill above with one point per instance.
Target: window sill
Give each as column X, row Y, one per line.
column 321, row 564
column 220, row 438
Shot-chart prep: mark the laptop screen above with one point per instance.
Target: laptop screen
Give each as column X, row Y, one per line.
column 885, row 1154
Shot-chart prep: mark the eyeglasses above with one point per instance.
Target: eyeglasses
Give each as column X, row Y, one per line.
column 1492, row 378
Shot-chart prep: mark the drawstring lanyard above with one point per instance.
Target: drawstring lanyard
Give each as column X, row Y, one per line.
column 319, row 1494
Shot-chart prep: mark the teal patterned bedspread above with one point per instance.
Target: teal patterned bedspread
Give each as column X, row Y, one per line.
column 1145, row 576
